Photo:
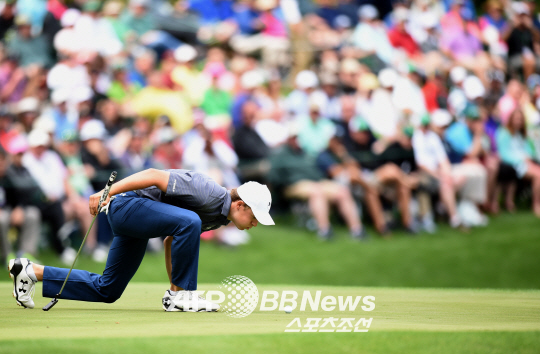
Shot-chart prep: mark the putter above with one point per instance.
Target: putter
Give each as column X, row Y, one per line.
column 101, row 200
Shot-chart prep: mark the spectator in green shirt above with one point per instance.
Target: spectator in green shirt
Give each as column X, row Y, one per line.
column 29, row 49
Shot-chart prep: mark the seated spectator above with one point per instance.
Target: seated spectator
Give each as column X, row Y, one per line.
column 471, row 160
column 400, row 37
column 298, row 175
column 156, row 100
column 7, row 17
column 186, row 77
column 65, row 119
column 315, row 131
column 434, row 164
column 297, row 102
column 122, row 89
column 27, row 48
column 167, row 154
column 252, row 152
column 370, row 39
column 262, row 28
column 13, row 78
column 379, row 170
column 136, row 158
column 16, row 208
column 514, row 149
column 217, row 104
column 99, row 164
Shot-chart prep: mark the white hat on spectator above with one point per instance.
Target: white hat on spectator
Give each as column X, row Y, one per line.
column 306, row 79
column 93, row 129
column 112, row 8
column 293, row 128
column 441, row 118
column 251, row 79
column 520, row 8
column 368, row 12
column 82, row 94
column 60, row 95
column 28, row 104
column 429, row 20
column 458, row 74
column 44, row 124
column 66, row 41
column 165, row 135
column 185, row 53
column 70, row 17
column 38, row 138
column 400, row 14
column 473, row 87
column 388, row 77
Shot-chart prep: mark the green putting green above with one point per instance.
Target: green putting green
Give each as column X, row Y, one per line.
column 404, row 320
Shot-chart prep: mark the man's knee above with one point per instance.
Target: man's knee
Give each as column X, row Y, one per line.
column 194, row 223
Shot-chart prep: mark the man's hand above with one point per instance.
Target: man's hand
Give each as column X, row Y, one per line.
column 94, row 202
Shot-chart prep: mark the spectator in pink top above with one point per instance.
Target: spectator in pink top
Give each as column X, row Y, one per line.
column 509, row 102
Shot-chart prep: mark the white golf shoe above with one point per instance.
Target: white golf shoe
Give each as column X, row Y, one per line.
column 23, row 286
column 187, row 301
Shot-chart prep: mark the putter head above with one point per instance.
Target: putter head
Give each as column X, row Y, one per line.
column 50, row 304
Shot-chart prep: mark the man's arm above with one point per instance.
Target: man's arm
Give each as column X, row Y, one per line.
column 139, row 180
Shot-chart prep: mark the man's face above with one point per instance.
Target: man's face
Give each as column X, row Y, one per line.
column 243, row 217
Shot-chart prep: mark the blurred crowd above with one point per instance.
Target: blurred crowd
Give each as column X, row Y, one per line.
column 417, row 112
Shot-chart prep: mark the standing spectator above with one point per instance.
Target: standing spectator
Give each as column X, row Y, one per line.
column 47, row 169
column 17, row 209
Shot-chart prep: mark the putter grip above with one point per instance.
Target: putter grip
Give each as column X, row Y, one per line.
column 107, row 189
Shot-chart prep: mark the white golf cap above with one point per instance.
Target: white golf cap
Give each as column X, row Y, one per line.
column 185, row 53
column 28, row 104
column 473, row 88
column 306, row 79
column 70, row 17
column 60, row 95
column 38, row 138
column 388, row 77
column 441, row 118
column 258, row 198
column 251, row 80
column 458, row 74
column 93, row 129
column 368, row 12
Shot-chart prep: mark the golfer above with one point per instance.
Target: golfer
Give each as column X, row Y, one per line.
column 176, row 204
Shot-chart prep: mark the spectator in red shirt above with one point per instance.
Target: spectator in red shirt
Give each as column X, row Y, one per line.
column 399, row 37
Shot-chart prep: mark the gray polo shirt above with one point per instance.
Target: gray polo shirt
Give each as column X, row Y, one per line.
column 196, row 192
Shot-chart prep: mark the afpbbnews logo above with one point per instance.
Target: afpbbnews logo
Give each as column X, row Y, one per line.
column 273, row 300
column 238, row 297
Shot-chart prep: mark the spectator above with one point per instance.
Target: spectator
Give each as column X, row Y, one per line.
column 433, row 163
column 371, row 41
column 47, row 169
column 514, row 149
column 523, row 40
column 298, row 175
column 135, row 158
column 315, row 131
column 7, row 17
column 252, row 152
column 399, row 36
column 167, row 154
column 17, row 209
column 29, row 49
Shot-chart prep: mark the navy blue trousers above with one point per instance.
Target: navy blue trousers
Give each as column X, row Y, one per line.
column 134, row 220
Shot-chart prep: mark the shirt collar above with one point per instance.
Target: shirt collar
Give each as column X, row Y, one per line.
column 226, row 205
